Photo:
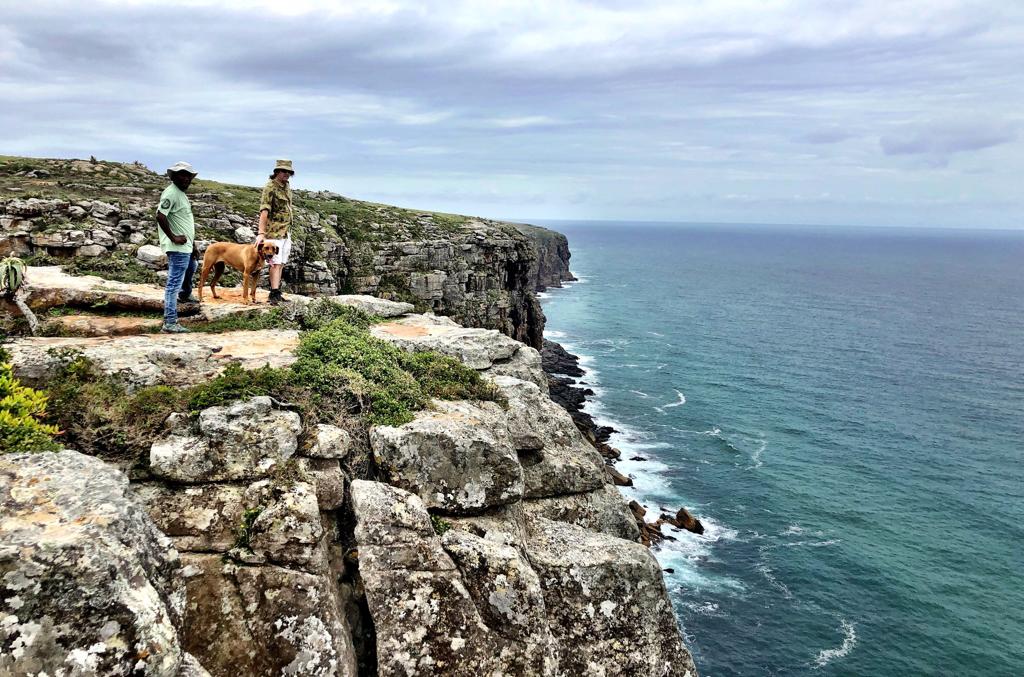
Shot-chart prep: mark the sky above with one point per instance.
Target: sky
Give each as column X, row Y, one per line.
column 887, row 112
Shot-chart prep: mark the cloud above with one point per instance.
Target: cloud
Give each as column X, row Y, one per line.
column 944, row 139
column 605, row 108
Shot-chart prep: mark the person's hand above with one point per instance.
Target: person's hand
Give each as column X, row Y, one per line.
column 179, row 239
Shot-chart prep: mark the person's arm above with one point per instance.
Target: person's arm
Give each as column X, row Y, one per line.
column 265, row 205
column 161, row 220
column 264, row 214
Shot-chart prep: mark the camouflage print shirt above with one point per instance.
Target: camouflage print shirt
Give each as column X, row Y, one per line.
column 277, row 200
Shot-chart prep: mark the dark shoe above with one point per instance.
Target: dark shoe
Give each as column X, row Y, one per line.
column 187, row 299
column 173, row 329
column 276, row 298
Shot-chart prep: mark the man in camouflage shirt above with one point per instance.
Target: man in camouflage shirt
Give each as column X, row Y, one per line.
column 275, row 220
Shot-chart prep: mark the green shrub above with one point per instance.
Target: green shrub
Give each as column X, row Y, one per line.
column 22, row 411
column 243, row 536
column 98, row 413
column 446, row 378
column 321, row 312
column 275, row 318
column 236, row 383
column 440, row 525
column 343, row 351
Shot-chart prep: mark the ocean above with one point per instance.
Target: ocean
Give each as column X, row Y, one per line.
column 843, row 408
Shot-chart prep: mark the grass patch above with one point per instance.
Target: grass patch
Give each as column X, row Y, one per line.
column 117, row 266
column 243, row 537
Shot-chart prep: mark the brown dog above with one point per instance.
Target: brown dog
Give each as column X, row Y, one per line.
column 247, row 259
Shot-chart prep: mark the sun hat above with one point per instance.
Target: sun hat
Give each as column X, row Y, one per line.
column 285, row 165
column 181, row 167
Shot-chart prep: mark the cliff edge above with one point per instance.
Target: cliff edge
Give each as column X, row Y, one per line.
column 98, row 216
column 339, row 487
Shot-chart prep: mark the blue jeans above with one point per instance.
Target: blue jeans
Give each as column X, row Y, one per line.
column 180, row 268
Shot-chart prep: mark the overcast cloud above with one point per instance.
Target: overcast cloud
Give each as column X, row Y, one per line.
column 882, row 112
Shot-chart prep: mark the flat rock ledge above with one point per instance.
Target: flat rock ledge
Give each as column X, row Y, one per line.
column 157, row 359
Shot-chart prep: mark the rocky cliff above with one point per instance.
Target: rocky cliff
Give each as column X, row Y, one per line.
column 99, row 215
column 267, row 533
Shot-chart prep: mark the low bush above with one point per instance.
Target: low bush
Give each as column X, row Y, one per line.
column 22, row 414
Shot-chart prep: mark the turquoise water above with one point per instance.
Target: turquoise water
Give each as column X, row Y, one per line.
column 844, row 409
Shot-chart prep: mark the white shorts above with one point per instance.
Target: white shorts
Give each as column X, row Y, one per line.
column 284, row 249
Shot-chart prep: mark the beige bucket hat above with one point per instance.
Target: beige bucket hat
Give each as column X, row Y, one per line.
column 285, row 165
column 181, row 167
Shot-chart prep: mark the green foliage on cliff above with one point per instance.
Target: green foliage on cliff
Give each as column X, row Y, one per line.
column 341, row 369
column 22, row 411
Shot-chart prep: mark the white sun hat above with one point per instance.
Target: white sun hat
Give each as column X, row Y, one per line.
column 181, row 167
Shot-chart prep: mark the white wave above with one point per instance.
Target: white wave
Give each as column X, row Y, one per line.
column 813, row 544
column 756, row 456
column 792, row 529
column 554, row 334
column 543, row 295
column 654, row 333
column 849, row 641
column 680, row 401
column 765, row 570
column 640, row 393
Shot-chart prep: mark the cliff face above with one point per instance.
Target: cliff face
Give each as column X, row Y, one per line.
column 550, row 267
column 483, row 273
column 479, row 538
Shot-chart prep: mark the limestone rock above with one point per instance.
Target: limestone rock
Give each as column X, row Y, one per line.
column 200, row 518
column 374, row 305
column 425, row 619
column 151, row 256
column 603, row 510
column 476, row 348
column 243, row 441
column 524, row 365
column 92, row 250
column 168, row 359
column 328, row 481
column 287, row 530
column 330, row 441
column 264, row 620
column 457, row 456
column 509, row 599
column 606, row 603
column 88, row 584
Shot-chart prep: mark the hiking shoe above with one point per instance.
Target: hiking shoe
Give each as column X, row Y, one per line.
column 188, row 299
column 276, row 298
column 173, row 329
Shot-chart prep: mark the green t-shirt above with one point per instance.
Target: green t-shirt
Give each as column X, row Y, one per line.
column 175, row 206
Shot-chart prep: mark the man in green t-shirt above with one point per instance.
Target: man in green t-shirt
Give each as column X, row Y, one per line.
column 177, row 234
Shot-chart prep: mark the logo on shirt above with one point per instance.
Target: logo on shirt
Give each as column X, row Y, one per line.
column 165, row 204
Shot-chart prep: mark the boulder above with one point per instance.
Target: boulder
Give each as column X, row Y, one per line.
column 374, row 305
column 606, row 603
column 92, row 250
column 684, row 520
column 287, row 529
column 509, row 599
column 199, row 518
column 330, row 441
column 243, row 441
column 457, row 456
column 245, row 234
column 525, row 365
column 151, row 256
column 328, row 481
column 87, row 583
